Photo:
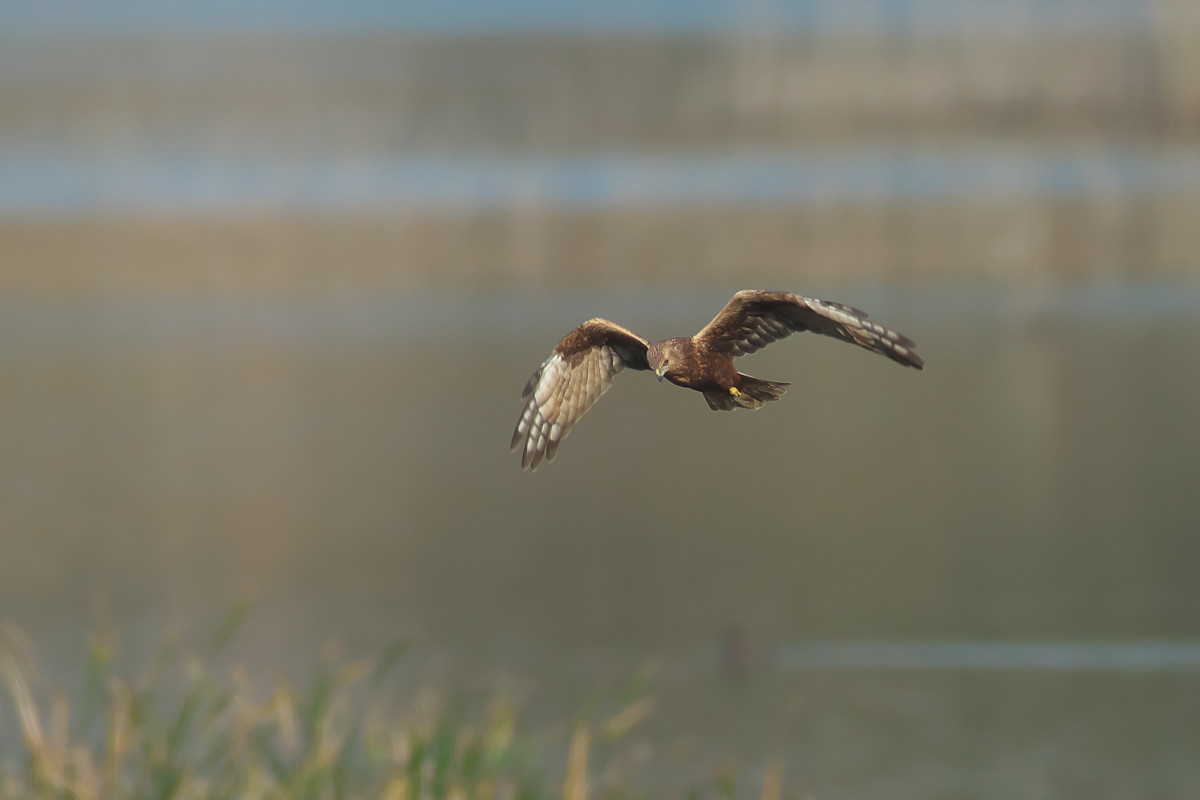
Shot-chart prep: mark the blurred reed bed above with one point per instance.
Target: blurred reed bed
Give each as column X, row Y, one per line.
column 1177, row 31
column 530, row 93
column 183, row 729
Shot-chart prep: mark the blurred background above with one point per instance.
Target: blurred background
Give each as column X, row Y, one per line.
column 273, row 275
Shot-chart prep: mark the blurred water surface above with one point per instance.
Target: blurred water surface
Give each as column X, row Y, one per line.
column 344, row 463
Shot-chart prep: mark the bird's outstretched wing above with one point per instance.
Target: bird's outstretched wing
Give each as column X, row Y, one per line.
column 569, row 382
column 753, row 319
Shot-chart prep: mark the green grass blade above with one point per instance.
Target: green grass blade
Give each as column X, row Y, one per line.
column 229, row 628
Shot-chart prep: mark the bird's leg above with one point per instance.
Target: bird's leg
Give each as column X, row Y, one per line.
column 733, row 390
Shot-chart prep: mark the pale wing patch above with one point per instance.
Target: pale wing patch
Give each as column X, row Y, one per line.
column 562, row 390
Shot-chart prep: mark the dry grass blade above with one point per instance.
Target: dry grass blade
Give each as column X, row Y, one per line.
column 16, row 661
column 178, row 730
column 625, row 719
column 575, row 785
column 772, row 781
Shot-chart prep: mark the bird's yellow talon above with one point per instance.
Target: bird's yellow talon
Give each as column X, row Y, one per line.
column 733, row 390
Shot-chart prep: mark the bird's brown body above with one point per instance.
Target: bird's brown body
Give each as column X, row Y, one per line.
column 696, row 365
column 698, row 368
column 583, row 364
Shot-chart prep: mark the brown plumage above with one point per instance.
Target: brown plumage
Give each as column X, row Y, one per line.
column 582, row 366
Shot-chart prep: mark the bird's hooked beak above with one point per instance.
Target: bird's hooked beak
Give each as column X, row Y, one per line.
column 662, row 370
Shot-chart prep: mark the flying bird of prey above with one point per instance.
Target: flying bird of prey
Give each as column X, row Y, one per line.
column 582, row 366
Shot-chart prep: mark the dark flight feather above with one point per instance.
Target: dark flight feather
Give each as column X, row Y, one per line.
column 752, row 319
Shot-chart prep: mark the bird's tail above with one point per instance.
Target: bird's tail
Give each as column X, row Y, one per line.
column 753, row 394
column 756, row 393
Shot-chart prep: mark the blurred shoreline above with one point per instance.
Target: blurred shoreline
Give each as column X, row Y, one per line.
column 1008, row 242
column 107, row 117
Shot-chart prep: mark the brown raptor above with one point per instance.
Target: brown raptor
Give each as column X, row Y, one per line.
column 582, row 366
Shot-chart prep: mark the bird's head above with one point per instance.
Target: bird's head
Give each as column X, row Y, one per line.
column 662, row 356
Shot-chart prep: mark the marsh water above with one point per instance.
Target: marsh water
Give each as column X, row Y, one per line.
column 974, row 581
